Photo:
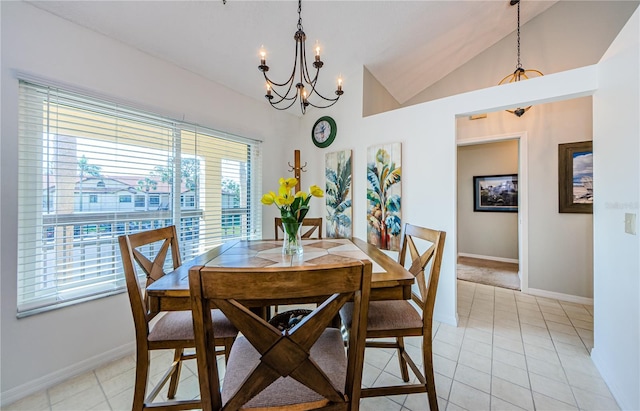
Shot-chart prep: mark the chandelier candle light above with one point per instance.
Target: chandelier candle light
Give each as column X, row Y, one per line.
column 293, row 208
column 287, row 95
column 519, row 73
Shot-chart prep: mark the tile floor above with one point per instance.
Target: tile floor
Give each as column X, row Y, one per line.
column 511, row 351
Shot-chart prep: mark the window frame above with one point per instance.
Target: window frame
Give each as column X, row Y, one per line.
column 88, row 230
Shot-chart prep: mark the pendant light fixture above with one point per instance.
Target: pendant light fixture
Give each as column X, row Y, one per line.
column 519, row 73
column 283, row 95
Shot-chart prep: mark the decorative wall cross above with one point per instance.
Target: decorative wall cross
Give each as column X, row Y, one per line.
column 297, row 168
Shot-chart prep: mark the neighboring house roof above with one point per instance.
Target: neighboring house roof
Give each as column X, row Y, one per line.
column 119, row 183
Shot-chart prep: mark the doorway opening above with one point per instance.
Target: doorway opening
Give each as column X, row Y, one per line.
column 492, row 245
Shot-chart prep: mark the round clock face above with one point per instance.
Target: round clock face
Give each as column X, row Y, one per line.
column 324, row 132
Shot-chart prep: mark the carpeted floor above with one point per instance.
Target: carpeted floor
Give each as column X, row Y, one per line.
column 489, row 272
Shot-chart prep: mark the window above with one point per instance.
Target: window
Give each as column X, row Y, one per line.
column 140, row 201
column 79, row 154
column 154, row 200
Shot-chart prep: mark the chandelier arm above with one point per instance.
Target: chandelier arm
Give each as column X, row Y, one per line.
column 275, row 91
column 333, row 101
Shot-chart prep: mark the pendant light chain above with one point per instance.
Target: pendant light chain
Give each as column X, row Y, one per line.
column 519, row 73
column 519, row 64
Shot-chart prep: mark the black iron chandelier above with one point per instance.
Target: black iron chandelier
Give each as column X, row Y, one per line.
column 519, row 73
column 283, row 95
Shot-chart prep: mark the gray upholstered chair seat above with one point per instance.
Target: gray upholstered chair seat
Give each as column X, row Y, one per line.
column 386, row 315
column 178, row 325
column 328, row 352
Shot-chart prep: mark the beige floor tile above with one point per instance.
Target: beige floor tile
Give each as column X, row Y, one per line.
column 452, row 407
column 468, row 397
column 546, row 369
column 509, row 357
column 588, row 382
column 510, row 373
column 103, row 406
column 477, row 347
column 379, row 403
column 539, row 353
column 587, row 325
column 552, row 388
column 370, row 374
column 73, row 386
column 509, row 344
column 477, row 362
column 122, row 401
column 444, row 366
column 500, row 405
column 116, row 368
column 473, row 378
column 512, row 393
column 443, row 385
column 84, row 400
column 590, row 401
column 119, row 383
column 542, row 342
column 544, row 403
column 417, row 402
column 475, row 334
column 566, row 338
column 446, row 350
column 563, row 319
column 562, row 328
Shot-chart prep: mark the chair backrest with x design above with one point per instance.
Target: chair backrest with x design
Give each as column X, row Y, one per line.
column 427, row 283
column 311, row 228
column 160, row 242
column 311, row 354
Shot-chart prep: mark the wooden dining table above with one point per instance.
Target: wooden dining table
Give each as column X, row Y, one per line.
column 390, row 281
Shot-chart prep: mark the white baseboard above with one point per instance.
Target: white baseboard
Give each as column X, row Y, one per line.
column 55, row 378
column 559, row 296
column 487, row 257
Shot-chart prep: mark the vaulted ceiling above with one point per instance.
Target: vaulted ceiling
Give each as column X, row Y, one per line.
column 406, row 45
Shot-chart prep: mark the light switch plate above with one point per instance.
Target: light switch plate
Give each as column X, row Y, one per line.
column 630, row 223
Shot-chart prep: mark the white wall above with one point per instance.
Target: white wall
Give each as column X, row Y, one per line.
column 486, row 234
column 616, row 136
column 37, row 351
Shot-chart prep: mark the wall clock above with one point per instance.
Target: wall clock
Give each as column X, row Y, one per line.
column 324, row 132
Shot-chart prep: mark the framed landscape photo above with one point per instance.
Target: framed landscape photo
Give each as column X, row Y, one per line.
column 495, row 193
column 575, row 177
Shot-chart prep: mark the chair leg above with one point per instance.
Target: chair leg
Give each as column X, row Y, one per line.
column 403, row 364
column 427, row 361
column 175, row 377
column 142, row 374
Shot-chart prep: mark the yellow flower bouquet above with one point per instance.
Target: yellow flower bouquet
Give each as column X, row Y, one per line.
column 293, row 208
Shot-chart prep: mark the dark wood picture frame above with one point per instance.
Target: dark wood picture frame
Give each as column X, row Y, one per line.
column 575, row 177
column 496, row 193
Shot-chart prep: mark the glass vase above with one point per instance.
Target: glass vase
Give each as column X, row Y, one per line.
column 292, row 244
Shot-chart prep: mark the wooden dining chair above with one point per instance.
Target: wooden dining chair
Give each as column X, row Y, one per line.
column 311, row 228
column 396, row 319
column 172, row 330
column 303, row 368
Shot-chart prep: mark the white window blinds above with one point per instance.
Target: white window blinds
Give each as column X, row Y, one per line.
column 91, row 170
